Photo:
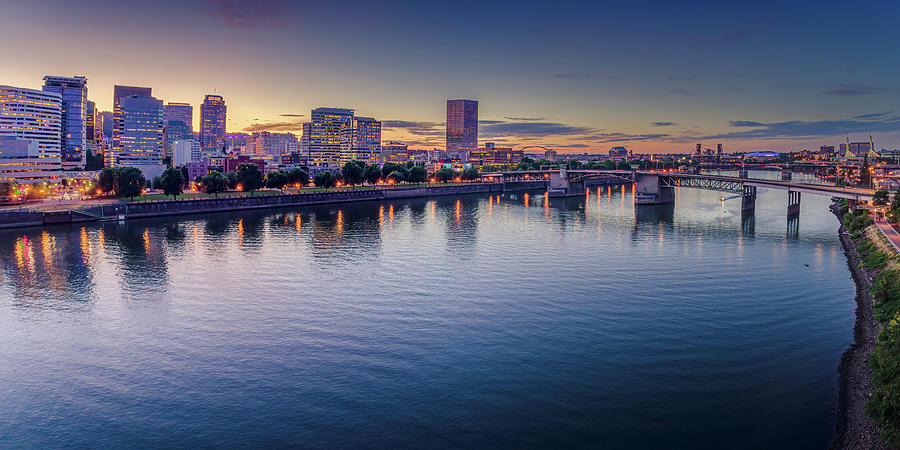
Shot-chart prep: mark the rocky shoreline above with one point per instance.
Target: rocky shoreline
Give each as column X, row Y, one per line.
column 853, row 428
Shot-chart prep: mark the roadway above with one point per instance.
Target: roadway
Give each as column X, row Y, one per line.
column 890, row 233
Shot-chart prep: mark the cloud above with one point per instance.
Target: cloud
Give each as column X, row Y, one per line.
column 681, row 91
column 489, row 122
column 274, row 126
column 248, row 14
column 745, row 123
column 292, row 115
column 571, row 75
column 875, row 122
column 873, row 115
column 530, row 129
column 848, row 90
column 681, row 77
column 524, row 119
column 663, row 124
column 420, row 128
column 620, row 137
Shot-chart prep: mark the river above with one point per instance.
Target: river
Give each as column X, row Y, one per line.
column 511, row 320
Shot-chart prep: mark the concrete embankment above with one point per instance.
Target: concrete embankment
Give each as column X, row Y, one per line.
column 142, row 209
column 853, row 428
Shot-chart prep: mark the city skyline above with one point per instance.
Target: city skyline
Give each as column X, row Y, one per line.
column 744, row 75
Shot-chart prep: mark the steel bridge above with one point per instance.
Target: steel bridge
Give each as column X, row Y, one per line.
column 658, row 187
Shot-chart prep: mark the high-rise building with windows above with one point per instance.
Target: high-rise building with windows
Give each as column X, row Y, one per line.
column 111, row 157
column 394, row 152
column 183, row 112
column 462, row 125
column 322, row 136
column 361, row 140
column 73, row 137
column 30, row 129
column 212, row 122
column 141, row 134
column 90, row 127
column 33, row 115
column 107, row 118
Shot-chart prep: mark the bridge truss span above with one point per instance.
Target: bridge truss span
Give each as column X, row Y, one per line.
column 735, row 186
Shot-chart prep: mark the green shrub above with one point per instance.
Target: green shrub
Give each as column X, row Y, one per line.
column 884, row 406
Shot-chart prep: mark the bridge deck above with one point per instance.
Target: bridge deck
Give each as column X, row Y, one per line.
column 718, row 182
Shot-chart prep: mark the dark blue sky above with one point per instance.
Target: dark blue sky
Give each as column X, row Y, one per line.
column 652, row 75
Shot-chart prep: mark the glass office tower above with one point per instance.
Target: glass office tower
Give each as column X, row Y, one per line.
column 73, row 137
column 462, row 125
column 212, row 123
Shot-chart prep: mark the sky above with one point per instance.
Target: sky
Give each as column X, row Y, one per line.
column 654, row 76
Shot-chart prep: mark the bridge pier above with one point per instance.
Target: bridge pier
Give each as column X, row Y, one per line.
column 786, row 174
column 748, row 199
column 649, row 190
column 793, row 208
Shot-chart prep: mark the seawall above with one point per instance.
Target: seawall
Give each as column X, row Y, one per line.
column 24, row 217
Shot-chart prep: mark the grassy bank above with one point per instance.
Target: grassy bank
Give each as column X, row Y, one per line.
column 882, row 264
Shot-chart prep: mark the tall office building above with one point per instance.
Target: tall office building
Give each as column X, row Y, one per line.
column 73, row 139
column 322, row 135
column 212, row 123
column 106, row 117
column 111, row 157
column 361, row 140
column 90, row 127
column 36, row 117
column 462, row 125
column 394, row 152
column 183, row 112
column 141, row 134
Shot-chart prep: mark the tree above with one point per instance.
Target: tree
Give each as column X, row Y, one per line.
column 107, row 180
column 391, row 167
column 157, row 182
column 250, row 177
column 298, row 176
column 277, row 179
column 129, row 182
column 444, row 175
column 185, row 175
column 167, row 161
column 470, row 174
column 395, row 176
column 172, row 182
column 92, row 161
column 325, row 179
column 372, row 174
column 417, row 175
column 880, row 198
column 214, row 183
column 525, row 164
column 232, row 179
column 353, row 172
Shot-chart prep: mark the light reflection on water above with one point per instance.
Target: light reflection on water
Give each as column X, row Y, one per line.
column 502, row 320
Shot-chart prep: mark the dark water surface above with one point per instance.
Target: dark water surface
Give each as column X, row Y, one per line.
column 510, row 320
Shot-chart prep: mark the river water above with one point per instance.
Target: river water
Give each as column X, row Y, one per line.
column 511, row 320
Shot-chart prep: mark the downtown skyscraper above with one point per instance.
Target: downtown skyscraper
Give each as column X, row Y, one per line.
column 141, row 138
column 212, row 123
column 322, row 136
column 462, row 126
column 361, row 140
column 111, row 158
column 73, row 136
column 30, row 124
